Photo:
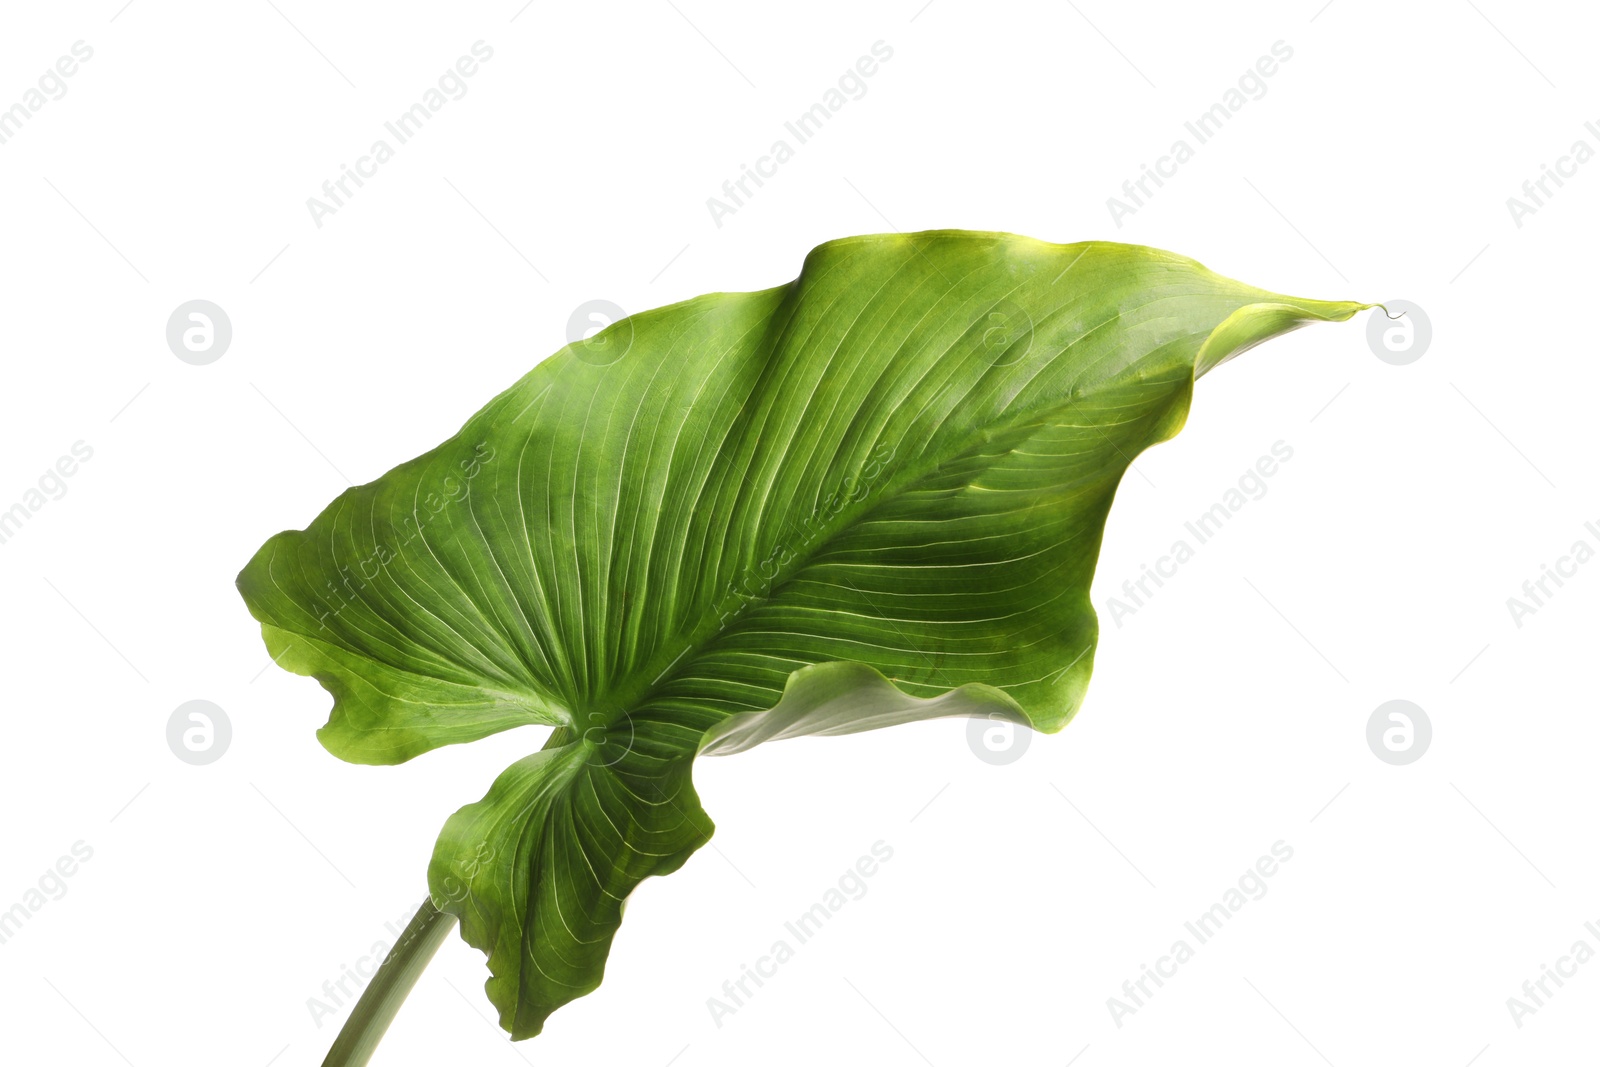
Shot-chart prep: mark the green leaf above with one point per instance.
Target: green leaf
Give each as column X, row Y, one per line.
column 872, row 495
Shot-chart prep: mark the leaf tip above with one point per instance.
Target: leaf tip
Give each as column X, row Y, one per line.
column 1258, row 322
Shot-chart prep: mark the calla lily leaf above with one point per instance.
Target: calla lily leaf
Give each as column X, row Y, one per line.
column 872, row 495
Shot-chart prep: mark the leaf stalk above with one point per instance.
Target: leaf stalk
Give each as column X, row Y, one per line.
column 381, row 1000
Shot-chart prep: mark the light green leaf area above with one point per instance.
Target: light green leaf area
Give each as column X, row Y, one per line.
column 870, row 496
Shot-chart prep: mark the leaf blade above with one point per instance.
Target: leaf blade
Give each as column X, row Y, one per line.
column 872, row 495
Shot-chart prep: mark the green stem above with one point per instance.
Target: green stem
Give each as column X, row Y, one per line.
column 382, row 998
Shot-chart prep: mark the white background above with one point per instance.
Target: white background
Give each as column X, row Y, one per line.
column 1227, row 714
